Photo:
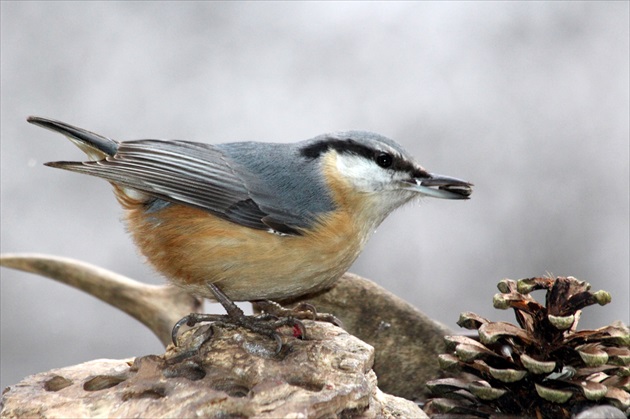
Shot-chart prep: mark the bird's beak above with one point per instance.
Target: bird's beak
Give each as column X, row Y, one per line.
column 439, row 186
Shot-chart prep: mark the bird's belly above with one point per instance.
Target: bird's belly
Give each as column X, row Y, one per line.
column 193, row 248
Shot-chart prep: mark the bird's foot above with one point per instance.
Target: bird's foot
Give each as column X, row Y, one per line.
column 265, row 324
column 302, row 311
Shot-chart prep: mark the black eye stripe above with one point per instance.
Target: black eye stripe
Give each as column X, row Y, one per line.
column 349, row 146
column 318, row 148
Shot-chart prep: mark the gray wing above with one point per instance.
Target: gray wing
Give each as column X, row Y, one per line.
column 195, row 174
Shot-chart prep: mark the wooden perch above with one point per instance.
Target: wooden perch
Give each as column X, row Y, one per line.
column 406, row 341
column 234, row 374
column 158, row 307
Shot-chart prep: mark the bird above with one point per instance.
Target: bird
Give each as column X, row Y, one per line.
column 254, row 221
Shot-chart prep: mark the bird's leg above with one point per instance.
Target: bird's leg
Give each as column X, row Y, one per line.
column 264, row 324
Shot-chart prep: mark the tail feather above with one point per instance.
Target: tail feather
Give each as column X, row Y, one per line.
column 94, row 145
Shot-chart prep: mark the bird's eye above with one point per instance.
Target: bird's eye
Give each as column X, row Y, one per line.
column 384, row 160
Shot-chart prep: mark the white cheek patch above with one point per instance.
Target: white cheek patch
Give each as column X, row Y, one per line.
column 381, row 186
column 364, row 174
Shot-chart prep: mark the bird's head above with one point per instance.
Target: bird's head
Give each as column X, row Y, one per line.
column 377, row 173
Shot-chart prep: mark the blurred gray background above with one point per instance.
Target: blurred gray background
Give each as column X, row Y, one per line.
column 530, row 101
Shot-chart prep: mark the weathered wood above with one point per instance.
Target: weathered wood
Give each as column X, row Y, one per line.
column 233, row 374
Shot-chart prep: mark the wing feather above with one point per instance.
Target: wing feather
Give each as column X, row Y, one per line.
column 195, row 174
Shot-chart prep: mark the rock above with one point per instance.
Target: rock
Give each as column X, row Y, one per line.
column 234, row 373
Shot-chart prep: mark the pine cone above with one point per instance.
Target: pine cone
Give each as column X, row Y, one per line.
column 545, row 368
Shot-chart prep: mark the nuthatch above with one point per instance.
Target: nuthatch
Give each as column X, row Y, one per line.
column 249, row 221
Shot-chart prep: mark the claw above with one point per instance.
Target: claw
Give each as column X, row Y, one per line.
column 306, row 307
column 193, row 319
column 300, row 326
column 278, row 342
column 175, row 331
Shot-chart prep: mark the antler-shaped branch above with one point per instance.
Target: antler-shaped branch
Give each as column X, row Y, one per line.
column 158, row 307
